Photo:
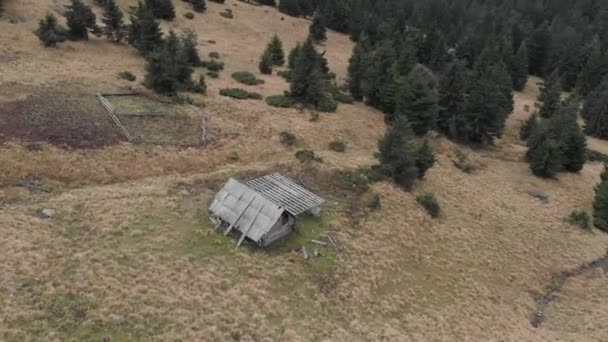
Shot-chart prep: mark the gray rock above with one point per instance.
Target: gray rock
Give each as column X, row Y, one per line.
column 48, row 213
column 15, row 286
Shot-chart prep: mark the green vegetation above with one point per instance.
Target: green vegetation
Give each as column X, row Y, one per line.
column 430, row 204
column 287, row 138
column 580, row 218
column 462, row 162
column 80, row 20
column 600, row 202
column 240, row 94
column 246, row 77
column 227, row 13
column 305, row 155
column 281, row 101
column 337, row 146
column 127, row 75
column 49, row 32
column 213, row 65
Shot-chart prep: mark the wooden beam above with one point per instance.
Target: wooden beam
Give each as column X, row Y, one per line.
column 245, row 232
column 239, row 217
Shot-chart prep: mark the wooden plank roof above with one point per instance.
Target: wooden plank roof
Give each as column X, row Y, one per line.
column 285, row 193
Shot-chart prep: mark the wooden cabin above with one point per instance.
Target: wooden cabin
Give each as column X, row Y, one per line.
column 262, row 210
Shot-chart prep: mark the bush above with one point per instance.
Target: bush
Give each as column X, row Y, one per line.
column 240, row 94
column 344, row 98
column 214, row 54
column 580, row 218
column 287, row 138
column 227, row 14
column 327, row 104
column 305, row 155
column 375, row 203
column 430, row 203
column 189, row 15
column 182, row 99
column 462, row 162
column 213, row 74
column 218, row 1
column 354, row 180
column 286, row 74
column 246, row 77
column 281, row 101
column 213, row 65
column 314, row 117
column 596, row 156
column 201, row 86
column 337, row 146
column 127, row 75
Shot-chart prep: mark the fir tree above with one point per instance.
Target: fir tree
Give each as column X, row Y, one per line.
column 595, row 111
column 452, row 99
column 144, row 31
column 397, row 154
column 543, row 155
column 49, row 32
column 265, row 64
column 317, row 29
column 307, row 78
column 80, row 20
column 293, row 55
column 600, row 202
column 519, row 68
column 425, row 158
column 356, row 67
column 378, row 74
column 114, row 28
column 188, row 40
column 550, row 96
column 267, row 2
column 594, row 70
column 538, row 49
column 418, row 100
column 162, row 9
column 289, row 7
column 564, row 129
column 199, row 5
column 275, row 49
column 529, row 127
column 167, row 68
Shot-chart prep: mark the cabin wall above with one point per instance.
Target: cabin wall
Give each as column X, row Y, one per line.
column 279, row 231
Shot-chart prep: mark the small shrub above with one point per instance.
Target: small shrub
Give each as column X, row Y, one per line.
column 218, row 1
column 182, row 99
column 353, row 180
column 233, row 156
column 201, row 86
column 189, row 15
column 327, row 104
column 580, row 218
column 214, row 54
column 286, row 74
column 375, row 203
column 337, row 146
column 314, row 117
column 462, row 162
column 213, row 65
column 305, row 155
column 281, row 101
column 240, row 94
column 213, row 74
column 344, row 98
column 247, row 78
column 430, row 204
column 287, row 138
column 596, row 156
column 227, row 14
column 127, row 75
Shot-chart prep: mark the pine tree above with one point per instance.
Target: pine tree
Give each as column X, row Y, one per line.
column 418, row 100
column 550, row 95
column 144, row 31
column 529, row 126
column 307, row 78
column 519, row 68
column 167, row 68
column 379, row 73
column 425, row 158
column 317, row 29
column 293, row 55
column 275, row 49
column 543, row 155
column 49, row 32
column 80, row 20
column 452, row 99
column 114, row 28
column 564, row 129
column 188, row 40
column 397, row 154
column 162, row 9
column 538, row 49
column 289, row 7
column 265, row 64
column 600, row 202
column 594, row 70
column 267, row 2
column 356, row 67
column 199, row 5
column 595, row 111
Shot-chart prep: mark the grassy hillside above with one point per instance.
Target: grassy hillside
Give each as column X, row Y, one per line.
column 131, row 254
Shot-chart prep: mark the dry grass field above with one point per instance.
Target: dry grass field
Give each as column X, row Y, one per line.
column 131, row 254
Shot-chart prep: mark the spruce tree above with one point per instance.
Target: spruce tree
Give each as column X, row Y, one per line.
column 550, row 95
column 600, row 202
column 529, row 126
column 49, row 32
column 539, row 49
column 167, row 68
column 519, row 68
column 418, row 100
column 594, row 70
column 114, row 28
column 379, row 73
column 162, row 9
column 543, row 155
column 293, row 55
column 144, row 31
column 80, row 20
column 564, row 129
column 595, row 111
column 452, row 99
column 275, row 49
column 199, row 5
column 265, row 64
column 356, row 67
column 317, row 29
column 289, row 7
column 425, row 158
column 307, row 77
column 188, row 41
column 397, row 154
